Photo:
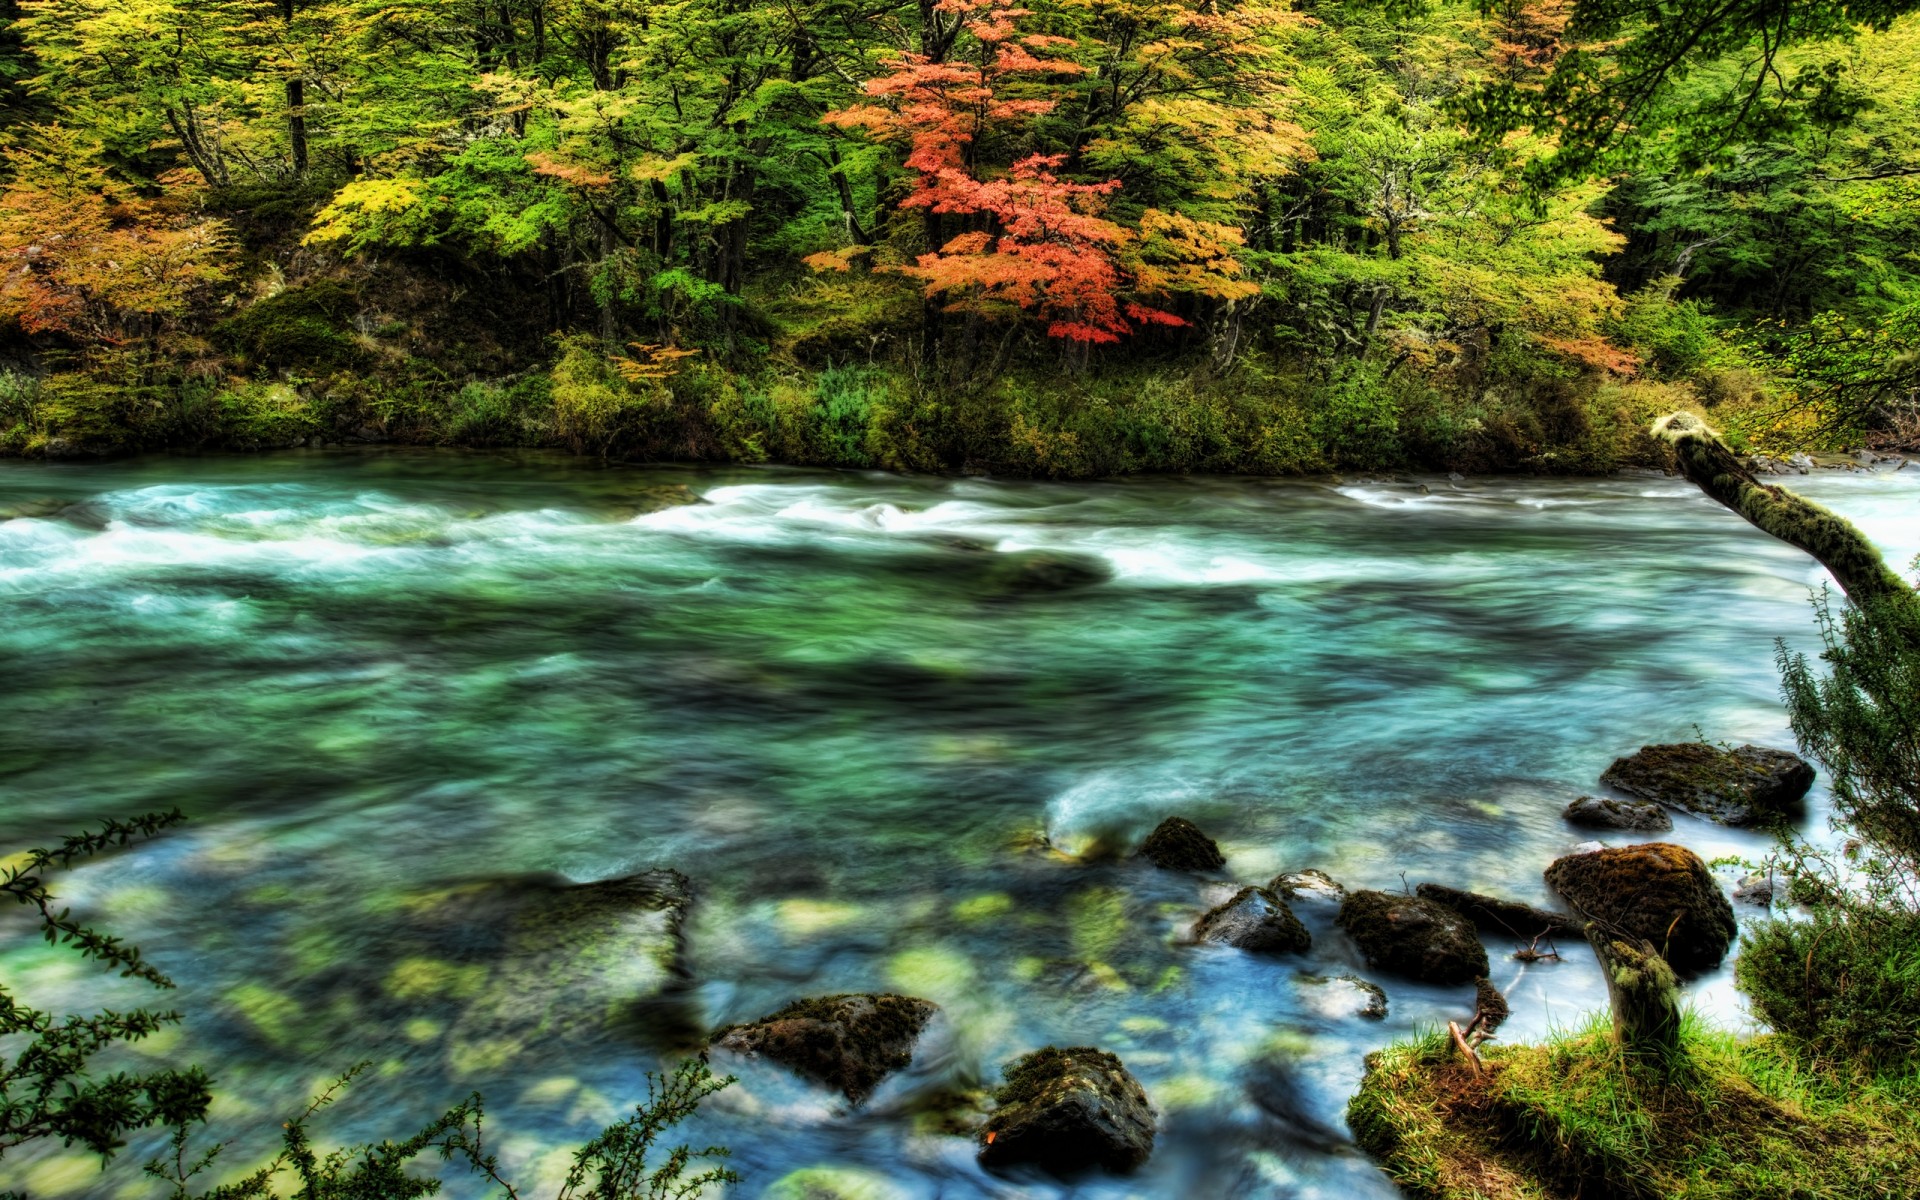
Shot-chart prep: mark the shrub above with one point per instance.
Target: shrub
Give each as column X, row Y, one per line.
column 1843, row 986
column 303, row 328
column 594, row 410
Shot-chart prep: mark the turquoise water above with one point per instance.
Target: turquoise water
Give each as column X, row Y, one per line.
column 368, row 677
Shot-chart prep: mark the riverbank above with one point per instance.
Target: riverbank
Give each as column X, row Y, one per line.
column 1573, row 1117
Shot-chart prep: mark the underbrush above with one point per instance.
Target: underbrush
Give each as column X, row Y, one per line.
column 1737, row 1118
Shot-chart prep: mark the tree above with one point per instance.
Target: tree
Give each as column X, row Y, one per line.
column 1028, row 240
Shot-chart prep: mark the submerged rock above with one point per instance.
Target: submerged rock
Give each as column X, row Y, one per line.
column 848, row 1042
column 1255, row 920
column 1414, row 937
column 1655, row 892
column 1068, row 1111
column 1494, row 915
column 1755, row 889
column 1347, row 996
column 1310, row 886
column 1031, row 571
column 1606, row 812
column 1176, row 844
column 1733, row 787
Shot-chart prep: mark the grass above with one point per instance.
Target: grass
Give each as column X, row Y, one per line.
column 1739, row 1119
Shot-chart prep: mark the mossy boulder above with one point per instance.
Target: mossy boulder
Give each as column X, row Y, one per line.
column 1067, row 1112
column 1176, row 844
column 1608, row 812
column 1413, row 937
column 1255, row 920
column 1494, row 915
column 1734, row 787
column 1655, row 892
column 848, row 1042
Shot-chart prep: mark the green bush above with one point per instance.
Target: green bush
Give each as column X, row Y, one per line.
column 1843, row 986
column 1356, row 417
column 303, row 329
column 594, row 409
column 257, row 416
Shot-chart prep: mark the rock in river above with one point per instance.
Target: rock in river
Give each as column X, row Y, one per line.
column 1032, row 571
column 1309, row 886
column 1606, row 812
column 1176, row 844
column 1256, row 920
column 1067, row 1111
column 1494, row 915
column 1656, row 892
column 1414, row 937
column 1733, row 787
column 849, row 1042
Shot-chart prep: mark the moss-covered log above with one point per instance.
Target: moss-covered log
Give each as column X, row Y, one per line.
column 1856, row 564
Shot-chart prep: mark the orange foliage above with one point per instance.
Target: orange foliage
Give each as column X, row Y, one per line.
column 1035, row 242
column 566, row 172
column 1595, row 354
column 1527, row 36
column 84, row 256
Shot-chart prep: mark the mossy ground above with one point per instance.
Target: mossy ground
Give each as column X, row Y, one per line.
column 1573, row 1118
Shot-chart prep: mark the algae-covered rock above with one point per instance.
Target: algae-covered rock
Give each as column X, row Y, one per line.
column 1607, row 812
column 1255, row 920
column 1733, row 787
column 1495, row 915
column 1413, row 937
column 1654, row 892
column 1309, row 886
column 1176, row 844
column 558, row 959
column 848, row 1042
column 833, row 1183
column 1068, row 1111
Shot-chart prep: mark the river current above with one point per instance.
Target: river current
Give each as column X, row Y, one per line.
column 881, row 764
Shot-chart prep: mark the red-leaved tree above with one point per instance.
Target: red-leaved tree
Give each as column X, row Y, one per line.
column 1019, row 238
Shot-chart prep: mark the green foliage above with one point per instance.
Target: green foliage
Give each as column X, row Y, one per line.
column 1842, row 986
column 302, row 329
column 47, row 1086
column 594, row 409
column 1359, row 417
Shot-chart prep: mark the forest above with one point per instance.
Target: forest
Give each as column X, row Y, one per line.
column 1083, row 238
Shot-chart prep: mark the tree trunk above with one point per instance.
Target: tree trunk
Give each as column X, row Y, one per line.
column 1644, row 993
column 1842, row 549
column 296, row 107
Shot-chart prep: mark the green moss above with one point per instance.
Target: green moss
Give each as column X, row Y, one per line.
column 1576, row 1118
column 304, row 329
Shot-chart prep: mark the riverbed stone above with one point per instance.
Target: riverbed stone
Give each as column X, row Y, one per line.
column 1757, row 888
column 1310, row 886
column 1655, row 892
column 849, row 1042
column 1176, row 844
column 1609, row 812
column 1255, row 920
column 1413, row 937
column 1069, row 1111
column 1494, row 915
column 1733, row 787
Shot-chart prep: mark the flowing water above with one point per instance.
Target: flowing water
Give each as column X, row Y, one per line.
column 370, row 678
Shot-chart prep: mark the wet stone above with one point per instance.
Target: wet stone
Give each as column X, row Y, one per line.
column 1067, row 1112
column 848, row 1042
column 1176, row 844
column 1606, row 812
column 1733, row 787
column 1255, row 920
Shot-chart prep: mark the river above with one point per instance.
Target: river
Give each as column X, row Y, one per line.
column 370, row 677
